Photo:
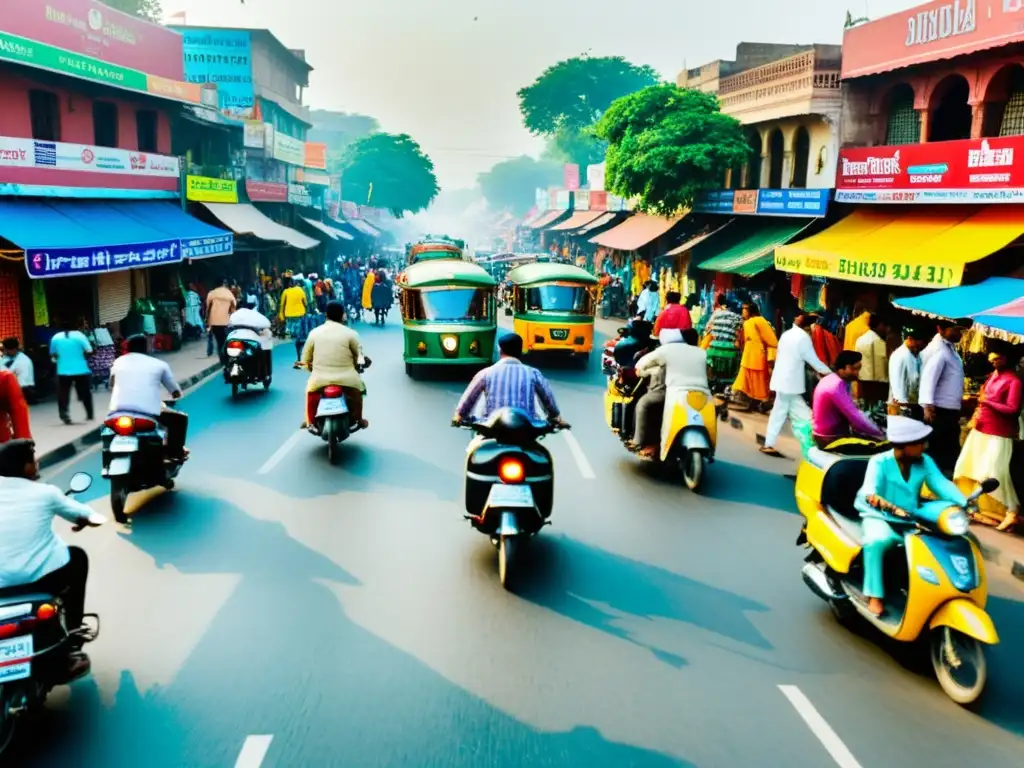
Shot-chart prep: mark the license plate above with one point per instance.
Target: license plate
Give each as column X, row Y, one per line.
column 119, row 467
column 15, row 659
column 332, row 407
column 510, row 496
column 124, row 444
column 559, row 334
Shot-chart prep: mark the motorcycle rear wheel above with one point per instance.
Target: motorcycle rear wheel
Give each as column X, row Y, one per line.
column 8, row 723
column 118, row 500
column 507, row 548
column 970, row 653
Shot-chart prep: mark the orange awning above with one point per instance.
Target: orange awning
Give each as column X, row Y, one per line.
column 602, row 220
column 635, row 232
column 546, row 219
column 577, row 220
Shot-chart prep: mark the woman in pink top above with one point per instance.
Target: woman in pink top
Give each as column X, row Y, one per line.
column 989, row 445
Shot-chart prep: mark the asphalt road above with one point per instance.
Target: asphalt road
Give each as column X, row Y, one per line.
column 275, row 610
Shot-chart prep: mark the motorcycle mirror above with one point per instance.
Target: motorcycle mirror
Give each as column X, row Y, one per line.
column 80, row 482
column 987, row 486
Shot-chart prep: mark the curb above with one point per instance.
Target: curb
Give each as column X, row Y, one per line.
column 83, row 442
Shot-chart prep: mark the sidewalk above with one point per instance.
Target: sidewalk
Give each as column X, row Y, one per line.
column 57, row 442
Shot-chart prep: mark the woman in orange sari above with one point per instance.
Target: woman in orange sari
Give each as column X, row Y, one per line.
column 759, row 343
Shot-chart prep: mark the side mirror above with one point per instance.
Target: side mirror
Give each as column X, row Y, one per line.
column 80, row 482
column 987, row 486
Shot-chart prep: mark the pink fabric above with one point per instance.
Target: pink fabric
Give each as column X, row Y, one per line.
column 999, row 411
column 835, row 414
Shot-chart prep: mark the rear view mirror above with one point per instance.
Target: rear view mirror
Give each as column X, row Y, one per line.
column 987, row 486
column 80, row 482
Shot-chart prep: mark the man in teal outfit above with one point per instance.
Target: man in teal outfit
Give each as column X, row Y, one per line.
column 892, row 491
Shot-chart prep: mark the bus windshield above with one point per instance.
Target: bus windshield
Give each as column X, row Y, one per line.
column 558, row 298
column 453, row 304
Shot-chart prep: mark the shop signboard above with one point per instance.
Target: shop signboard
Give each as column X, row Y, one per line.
column 581, row 200
column 764, row 202
column 203, row 189
column 268, row 139
column 598, row 200
column 540, row 199
column 222, row 57
column 317, row 179
column 266, row 191
column 60, row 156
column 595, row 177
column 252, row 135
column 571, row 176
column 868, row 269
column 965, row 171
column 934, row 31
column 299, row 195
column 288, row 149
column 62, row 262
column 559, row 200
column 316, row 155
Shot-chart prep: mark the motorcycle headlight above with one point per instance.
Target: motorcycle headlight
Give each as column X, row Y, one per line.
column 954, row 522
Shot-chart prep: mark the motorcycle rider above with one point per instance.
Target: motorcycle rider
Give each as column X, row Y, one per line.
column 331, row 354
column 248, row 324
column 137, row 381
column 32, row 557
column 891, row 490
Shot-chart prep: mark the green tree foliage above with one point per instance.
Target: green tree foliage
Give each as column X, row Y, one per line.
column 511, row 184
column 149, row 10
column 337, row 130
column 568, row 99
column 389, row 171
column 668, row 143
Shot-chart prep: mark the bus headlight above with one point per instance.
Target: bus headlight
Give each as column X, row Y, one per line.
column 450, row 343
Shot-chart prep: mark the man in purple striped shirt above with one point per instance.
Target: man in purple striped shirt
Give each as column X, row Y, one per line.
column 509, row 384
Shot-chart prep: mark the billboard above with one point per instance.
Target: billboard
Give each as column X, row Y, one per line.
column 764, row 202
column 222, row 57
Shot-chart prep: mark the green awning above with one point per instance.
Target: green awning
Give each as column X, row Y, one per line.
column 749, row 251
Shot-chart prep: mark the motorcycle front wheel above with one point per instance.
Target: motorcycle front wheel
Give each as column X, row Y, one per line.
column 959, row 663
column 693, row 469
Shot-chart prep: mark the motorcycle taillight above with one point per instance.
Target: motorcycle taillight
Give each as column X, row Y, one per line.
column 128, row 425
column 332, row 391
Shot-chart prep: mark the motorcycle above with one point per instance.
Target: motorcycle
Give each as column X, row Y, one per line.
column 690, row 439
column 246, row 363
column 35, row 642
column 935, row 582
column 332, row 421
column 135, row 458
column 510, row 482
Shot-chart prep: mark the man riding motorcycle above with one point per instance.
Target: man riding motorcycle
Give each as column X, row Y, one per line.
column 32, row 558
column 331, row 354
column 248, row 324
column 891, row 490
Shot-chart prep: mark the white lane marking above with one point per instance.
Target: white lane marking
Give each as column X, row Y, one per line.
column 253, row 751
column 274, row 460
column 828, row 738
column 577, row 453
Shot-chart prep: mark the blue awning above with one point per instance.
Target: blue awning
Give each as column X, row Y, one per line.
column 965, row 300
column 87, row 237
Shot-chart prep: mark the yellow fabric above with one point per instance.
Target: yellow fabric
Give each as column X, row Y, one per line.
column 854, row 330
column 331, row 351
column 984, row 456
column 759, row 344
column 924, row 248
column 368, row 291
column 293, row 302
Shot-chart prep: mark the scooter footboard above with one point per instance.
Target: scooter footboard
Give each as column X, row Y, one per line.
column 966, row 618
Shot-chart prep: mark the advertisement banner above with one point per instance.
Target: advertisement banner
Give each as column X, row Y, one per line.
column 61, row 262
column 203, row 189
column 598, row 200
column 252, row 135
column 316, row 155
column 299, row 195
column 289, row 150
column 866, row 269
column 222, row 57
column 581, row 200
column 595, row 177
column 571, row 176
column 966, row 171
column 266, row 191
column 55, row 155
column 933, row 31
column 764, row 202
column 98, row 31
column 318, row 179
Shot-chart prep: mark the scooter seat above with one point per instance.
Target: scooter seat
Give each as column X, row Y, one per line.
column 840, row 485
column 850, row 527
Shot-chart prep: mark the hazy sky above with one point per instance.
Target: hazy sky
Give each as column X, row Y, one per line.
column 447, row 71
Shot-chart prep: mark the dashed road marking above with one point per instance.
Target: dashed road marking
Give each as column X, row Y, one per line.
column 281, row 452
column 254, row 750
column 819, row 727
column 577, row 453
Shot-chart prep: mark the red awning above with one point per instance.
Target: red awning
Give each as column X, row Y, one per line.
column 577, row 220
column 636, row 232
column 546, row 219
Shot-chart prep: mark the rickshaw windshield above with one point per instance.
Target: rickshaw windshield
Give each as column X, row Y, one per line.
column 558, row 298
column 453, row 304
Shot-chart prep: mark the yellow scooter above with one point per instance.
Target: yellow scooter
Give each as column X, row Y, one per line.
column 935, row 583
column 689, row 439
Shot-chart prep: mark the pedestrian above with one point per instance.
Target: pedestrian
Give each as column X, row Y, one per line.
column 988, row 448
column 648, row 302
column 14, row 416
column 722, row 339
column 905, row 374
column 367, row 297
column 220, row 304
column 789, row 382
column 873, row 384
column 381, row 297
column 759, row 345
column 70, row 349
column 857, row 327
column 21, row 365
column 675, row 317
column 942, row 393
column 293, row 311
column 193, row 312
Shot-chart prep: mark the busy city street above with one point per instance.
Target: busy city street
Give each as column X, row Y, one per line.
column 349, row 615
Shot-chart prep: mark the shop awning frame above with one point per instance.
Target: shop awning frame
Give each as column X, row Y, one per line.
column 363, row 227
column 965, row 300
column 246, row 219
column 606, row 218
column 696, row 240
column 578, row 220
column 636, row 232
column 546, row 219
column 749, row 247
column 332, row 232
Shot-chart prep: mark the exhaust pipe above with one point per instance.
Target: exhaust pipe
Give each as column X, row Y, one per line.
column 815, row 578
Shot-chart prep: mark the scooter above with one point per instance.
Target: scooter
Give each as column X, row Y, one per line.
column 135, row 458
column 510, row 482
column 34, row 642
column 246, row 363
column 935, row 583
column 688, row 443
column 333, row 421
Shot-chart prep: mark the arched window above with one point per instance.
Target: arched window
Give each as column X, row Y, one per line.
column 903, row 125
column 950, row 112
column 801, row 157
column 1004, row 103
column 776, row 149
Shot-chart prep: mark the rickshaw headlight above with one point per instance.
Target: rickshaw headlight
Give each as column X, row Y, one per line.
column 474, row 347
column 954, row 522
column 450, row 343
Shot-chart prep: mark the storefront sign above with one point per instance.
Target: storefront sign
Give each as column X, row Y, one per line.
column 595, row 177
column 61, row 262
column 871, row 270
column 540, row 199
column 208, row 247
column 581, row 200
column 316, row 155
column 967, row 171
column 571, row 177
column 252, row 135
column 268, row 139
column 97, row 31
column 561, row 199
column 931, row 32
column 266, row 192
column 204, row 189
column 299, row 195
column 598, row 200
column 58, row 156
column 222, row 57
column 317, row 179
column 289, row 150
column 764, row 202
column 744, row 201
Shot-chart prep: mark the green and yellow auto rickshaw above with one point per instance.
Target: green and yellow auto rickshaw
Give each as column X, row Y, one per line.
column 436, row 248
column 449, row 315
column 553, row 307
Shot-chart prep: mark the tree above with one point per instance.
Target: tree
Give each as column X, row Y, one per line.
column 666, row 144
column 337, row 130
column 568, row 99
column 149, row 10
column 389, row 171
column 511, row 184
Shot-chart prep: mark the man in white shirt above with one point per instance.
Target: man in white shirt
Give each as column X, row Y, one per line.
column 648, row 302
column 905, row 371
column 21, row 365
column 789, row 382
column 137, row 382
column 874, row 372
column 32, row 557
column 250, row 325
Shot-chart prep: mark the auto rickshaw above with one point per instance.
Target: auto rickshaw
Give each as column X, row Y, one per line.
column 436, row 248
column 449, row 315
column 553, row 307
